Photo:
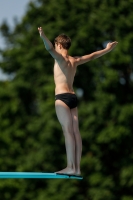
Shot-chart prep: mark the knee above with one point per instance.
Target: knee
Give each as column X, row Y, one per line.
column 76, row 131
column 67, row 129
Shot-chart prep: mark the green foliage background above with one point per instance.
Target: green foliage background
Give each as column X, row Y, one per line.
column 30, row 135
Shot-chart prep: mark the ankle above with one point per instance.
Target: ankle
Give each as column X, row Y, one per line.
column 72, row 168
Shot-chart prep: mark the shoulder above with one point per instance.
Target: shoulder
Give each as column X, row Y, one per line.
column 73, row 59
column 57, row 56
column 76, row 60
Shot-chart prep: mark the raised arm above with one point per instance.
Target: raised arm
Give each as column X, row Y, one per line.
column 83, row 59
column 48, row 45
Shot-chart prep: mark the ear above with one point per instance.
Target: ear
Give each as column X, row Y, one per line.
column 60, row 46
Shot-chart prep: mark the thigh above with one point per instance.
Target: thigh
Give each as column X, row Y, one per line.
column 63, row 114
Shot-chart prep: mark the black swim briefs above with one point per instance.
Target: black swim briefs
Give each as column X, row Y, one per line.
column 69, row 99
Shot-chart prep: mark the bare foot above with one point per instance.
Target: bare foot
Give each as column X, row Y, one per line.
column 78, row 173
column 67, row 170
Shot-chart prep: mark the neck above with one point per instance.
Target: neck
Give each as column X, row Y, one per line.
column 64, row 52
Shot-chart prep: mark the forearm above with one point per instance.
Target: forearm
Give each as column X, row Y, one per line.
column 110, row 46
column 47, row 43
column 99, row 53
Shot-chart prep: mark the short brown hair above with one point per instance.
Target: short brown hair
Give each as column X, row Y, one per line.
column 64, row 40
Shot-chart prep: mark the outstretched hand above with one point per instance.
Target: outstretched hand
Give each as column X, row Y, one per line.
column 111, row 45
column 40, row 31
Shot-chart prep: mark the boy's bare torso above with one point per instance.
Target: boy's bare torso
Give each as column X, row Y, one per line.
column 64, row 72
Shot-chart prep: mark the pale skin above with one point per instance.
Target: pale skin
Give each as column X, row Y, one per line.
column 64, row 71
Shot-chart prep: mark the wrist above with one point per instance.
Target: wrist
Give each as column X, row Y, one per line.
column 107, row 49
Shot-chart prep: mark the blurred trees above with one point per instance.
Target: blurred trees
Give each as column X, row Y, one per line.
column 30, row 135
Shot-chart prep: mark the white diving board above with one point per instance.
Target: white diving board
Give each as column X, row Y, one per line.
column 36, row 175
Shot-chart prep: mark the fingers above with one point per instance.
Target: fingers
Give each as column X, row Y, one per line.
column 40, row 28
column 115, row 42
column 112, row 44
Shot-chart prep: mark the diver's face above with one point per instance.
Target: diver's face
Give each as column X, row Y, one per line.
column 56, row 46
